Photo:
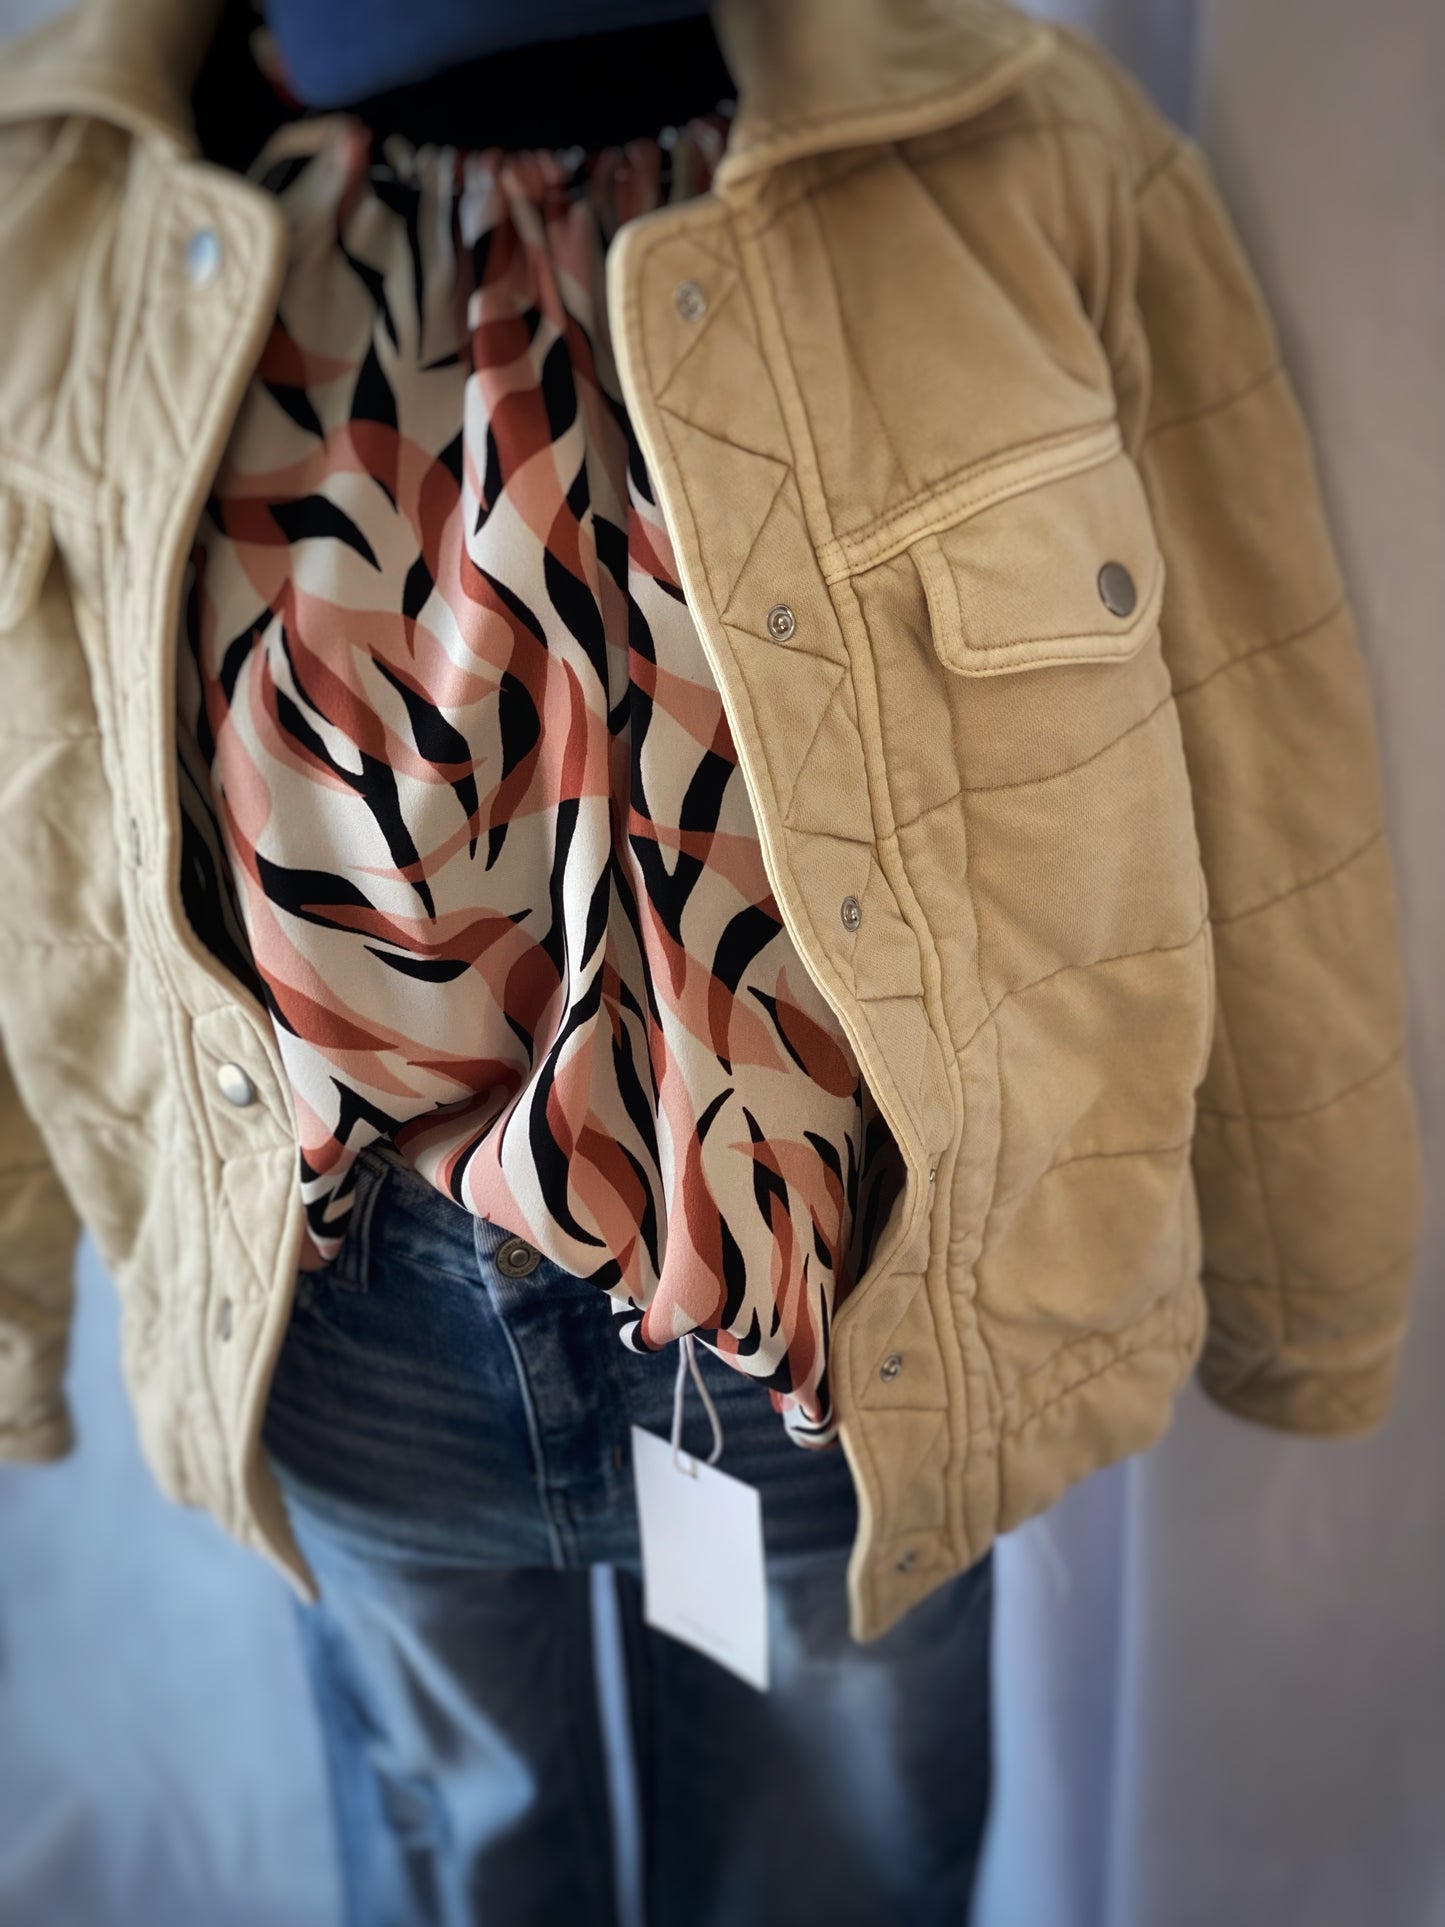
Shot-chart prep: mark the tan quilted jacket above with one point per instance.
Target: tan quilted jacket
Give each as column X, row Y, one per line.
column 1000, row 525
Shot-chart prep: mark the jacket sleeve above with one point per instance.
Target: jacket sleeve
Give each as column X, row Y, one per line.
column 1305, row 1159
column 38, row 1232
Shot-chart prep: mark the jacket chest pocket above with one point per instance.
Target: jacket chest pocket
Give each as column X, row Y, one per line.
column 1035, row 744
column 1063, row 572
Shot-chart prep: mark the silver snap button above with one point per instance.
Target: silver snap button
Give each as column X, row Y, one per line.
column 1116, row 589
column 908, row 1561
column 223, row 1321
column 516, row 1257
column 236, row 1087
column 852, row 913
column 690, row 299
column 891, row 1366
column 203, row 256
column 781, row 623
column 932, row 1172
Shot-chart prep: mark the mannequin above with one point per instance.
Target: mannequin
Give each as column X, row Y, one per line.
column 607, row 85
column 337, row 55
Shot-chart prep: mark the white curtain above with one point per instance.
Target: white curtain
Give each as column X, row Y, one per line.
column 1221, row 1667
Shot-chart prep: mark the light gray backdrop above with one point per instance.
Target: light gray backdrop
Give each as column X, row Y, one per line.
column 1221, row 1667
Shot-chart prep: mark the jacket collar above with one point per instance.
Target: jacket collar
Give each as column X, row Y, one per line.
column 812, row 75
column 127, row 61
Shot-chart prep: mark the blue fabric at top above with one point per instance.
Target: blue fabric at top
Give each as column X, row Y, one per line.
column 339, row 51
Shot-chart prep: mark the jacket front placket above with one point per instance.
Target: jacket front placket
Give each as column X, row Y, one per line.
column 701, row 390
column 704, row 373
column 199, row 259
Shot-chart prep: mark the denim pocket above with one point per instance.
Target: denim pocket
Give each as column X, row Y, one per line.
column 350, row 1268
column 400, row 1231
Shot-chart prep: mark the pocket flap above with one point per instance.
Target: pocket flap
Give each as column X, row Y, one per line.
column 1065, row 571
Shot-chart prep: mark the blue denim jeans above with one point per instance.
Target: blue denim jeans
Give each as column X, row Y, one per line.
column 453, row 1445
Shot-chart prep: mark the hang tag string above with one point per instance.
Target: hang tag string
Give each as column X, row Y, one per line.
column 687, row 1362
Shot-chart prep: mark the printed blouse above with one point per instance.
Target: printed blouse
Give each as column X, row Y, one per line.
column 463, row 800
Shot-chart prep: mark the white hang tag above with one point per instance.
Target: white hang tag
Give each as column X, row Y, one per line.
column 702, row 1548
